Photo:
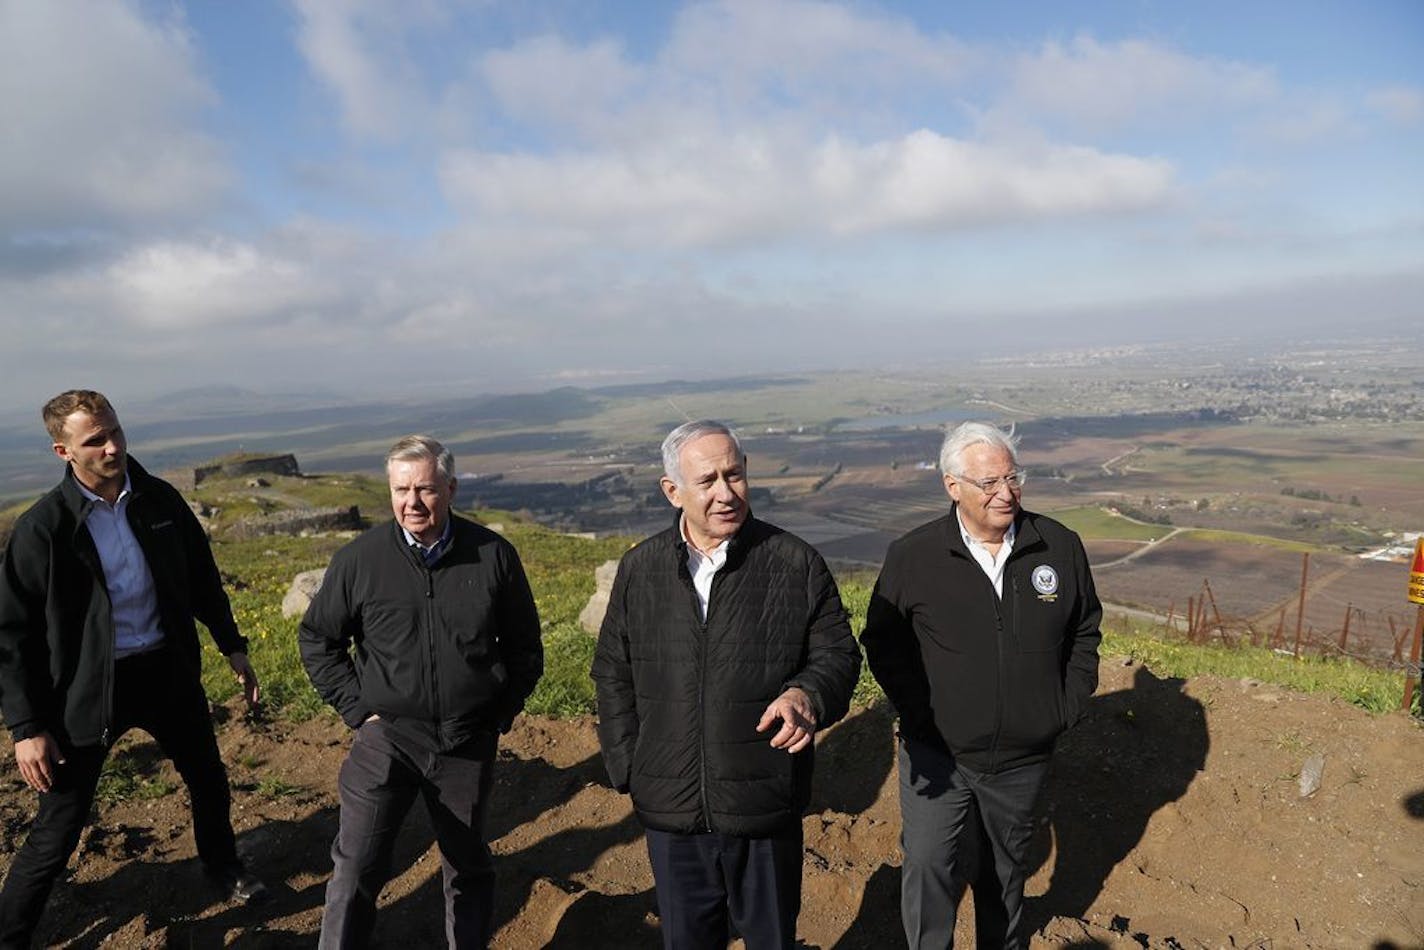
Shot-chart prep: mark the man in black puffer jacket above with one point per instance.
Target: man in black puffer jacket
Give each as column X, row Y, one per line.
column 724, row 648
column 983, row 632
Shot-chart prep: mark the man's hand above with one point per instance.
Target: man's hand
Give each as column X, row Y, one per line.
column 37, row 758
column 246, row 677
column 798, row 720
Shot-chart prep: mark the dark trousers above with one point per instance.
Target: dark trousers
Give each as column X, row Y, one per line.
column 706, row 880
column 151, row 694
column 379, row 781
column 941, row 801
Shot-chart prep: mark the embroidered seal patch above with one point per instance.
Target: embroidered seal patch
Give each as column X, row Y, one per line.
column 1045, row 581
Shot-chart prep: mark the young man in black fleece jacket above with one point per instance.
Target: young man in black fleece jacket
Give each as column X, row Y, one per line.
column 99, row 590
column 983, row 632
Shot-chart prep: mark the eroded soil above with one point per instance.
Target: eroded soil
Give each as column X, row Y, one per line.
column 1173, row 818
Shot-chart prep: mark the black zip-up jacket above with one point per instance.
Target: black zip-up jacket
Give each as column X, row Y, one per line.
column 56, row 626
column 679, row 699
column 993, row 680
column 451, row 650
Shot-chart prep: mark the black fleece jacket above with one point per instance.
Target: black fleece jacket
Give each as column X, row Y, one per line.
column 56, row 626
column 679, row 698
column 449, row 651
column 993, row 680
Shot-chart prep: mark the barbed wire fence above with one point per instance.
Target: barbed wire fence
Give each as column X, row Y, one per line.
column 1376, row 637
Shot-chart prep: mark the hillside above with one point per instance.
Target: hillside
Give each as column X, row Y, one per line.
column 1173, row 819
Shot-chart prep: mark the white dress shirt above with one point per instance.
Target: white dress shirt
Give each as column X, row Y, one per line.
column 703, row 567
column 993, row 565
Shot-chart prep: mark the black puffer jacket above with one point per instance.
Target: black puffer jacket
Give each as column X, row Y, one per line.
column 679, row 699
column 56, row 627
column 994, row 680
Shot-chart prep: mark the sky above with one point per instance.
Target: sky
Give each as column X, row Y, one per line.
column 430, row 197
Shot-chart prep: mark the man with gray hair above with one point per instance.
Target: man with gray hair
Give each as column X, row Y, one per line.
column 983, row 631
column 425, row 638
column 724, row 649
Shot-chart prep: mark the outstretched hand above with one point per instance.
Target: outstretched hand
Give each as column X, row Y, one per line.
column 797, row 715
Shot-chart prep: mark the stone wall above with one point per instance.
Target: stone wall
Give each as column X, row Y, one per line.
column 298, row 521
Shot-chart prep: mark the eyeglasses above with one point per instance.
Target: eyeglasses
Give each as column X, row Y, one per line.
column 990, row 486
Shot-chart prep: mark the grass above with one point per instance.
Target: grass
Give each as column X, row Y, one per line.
column 1238, row 537
column 560, row 569
column 1098, row 524
column 1375, row 690
column 131, row 773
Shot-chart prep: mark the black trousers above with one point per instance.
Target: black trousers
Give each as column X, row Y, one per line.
column 149, row 694
column 940, row 802
column 379, row 781
column 705, row 881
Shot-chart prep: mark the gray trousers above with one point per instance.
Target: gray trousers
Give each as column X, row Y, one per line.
column 379, row 782
column 945, row 809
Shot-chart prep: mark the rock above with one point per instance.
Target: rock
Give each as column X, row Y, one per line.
column 1310, row 773
column 591, row 618
column 258, row 483
column 300, row 594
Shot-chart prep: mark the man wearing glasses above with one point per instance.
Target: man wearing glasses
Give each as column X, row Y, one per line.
column 983, row 632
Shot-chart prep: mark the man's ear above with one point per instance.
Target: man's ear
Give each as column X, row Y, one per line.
column 61, row 450
column 669, row 488
column 951, row 488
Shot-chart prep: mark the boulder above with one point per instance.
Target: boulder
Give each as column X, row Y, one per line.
column 591, row 618
column 300, row 594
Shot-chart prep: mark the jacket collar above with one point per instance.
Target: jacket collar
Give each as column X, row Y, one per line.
column 737, row 546
column 75, row 500
column 1025, row 531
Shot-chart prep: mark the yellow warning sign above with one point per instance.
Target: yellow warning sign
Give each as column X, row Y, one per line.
column 1416, row 574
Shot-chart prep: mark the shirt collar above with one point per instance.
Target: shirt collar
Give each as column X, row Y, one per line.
column 718, row 555
column 972, row 542
column 441, row 542
column 84, row 490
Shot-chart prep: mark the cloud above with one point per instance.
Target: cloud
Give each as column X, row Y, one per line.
column 1090, row 84
column 548, row 82
column 1308, row 122
column 809, row 48
column 171, row 285
column 1402, row 105
column 757, row 187
column 360, row 50
column 99, row 108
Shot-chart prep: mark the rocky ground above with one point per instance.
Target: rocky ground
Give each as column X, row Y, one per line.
column 1173, row 818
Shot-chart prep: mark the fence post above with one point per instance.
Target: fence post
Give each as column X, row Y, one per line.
column 1412, row 675
column 1300, row 611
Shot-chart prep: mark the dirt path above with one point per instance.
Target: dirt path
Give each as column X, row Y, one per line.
column 1173, row 819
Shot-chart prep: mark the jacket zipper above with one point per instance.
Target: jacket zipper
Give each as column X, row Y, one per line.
column 106, row 718
column 702, row 698
column 431, row 648
column 999, row 676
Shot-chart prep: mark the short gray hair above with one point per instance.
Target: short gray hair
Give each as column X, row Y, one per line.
column 413, row 448
column 688, row 432
column 962, row 436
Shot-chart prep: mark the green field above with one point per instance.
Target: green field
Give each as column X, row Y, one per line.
column 1094, row 523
